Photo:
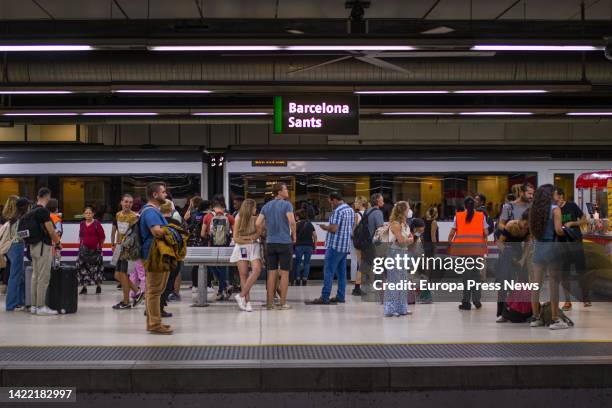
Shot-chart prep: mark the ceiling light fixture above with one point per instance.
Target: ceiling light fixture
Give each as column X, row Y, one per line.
column 35, row 92
column 163, row 91
column 589, row 113
column 40, row 114
column 11, row 48
column 349, row 48
column 536, row 48
column 120, row 114
column 416, row 113
column 501, row 91
column 214, row 48
column 400, row 92
column 497, row 113
column 230, row 114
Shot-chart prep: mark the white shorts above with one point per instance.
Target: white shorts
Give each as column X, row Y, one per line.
column 253, row 252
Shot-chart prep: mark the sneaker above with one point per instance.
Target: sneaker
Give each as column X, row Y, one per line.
column 173, row 297
column 284, row 307
column 320, row 301
column 408, row 313
column 558, row 325
column 121, row 306
column 536, row 322
column 356, row 292
column 588, row 304
column 567, row 306
column 465, row 306
column 139, row 298
column 165, row 314
column 33, row 309
column 269, row 307
column 336, row 300
column 304, row 282
column 83, row 291
column 241, row 301
column 478, row 305
column 501, row 319
column 46, row 311
column 98, row 290
column 19, row 308
column 119, row 286
column 248, row 307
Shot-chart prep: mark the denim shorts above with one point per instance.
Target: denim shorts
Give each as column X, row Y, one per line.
column 545, row 252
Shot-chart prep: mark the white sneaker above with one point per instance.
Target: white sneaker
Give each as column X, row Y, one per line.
column 241, row 302
column 558, row 325
column 536, row 323
column 501, row 319
column 46, row 311
column 248, row 307
column 33, row 310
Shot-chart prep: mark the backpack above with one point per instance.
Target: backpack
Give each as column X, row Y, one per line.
column 546, row 315
column 29, row 229
column 361, row 235
column 5, row 241
column 219, row 230
column 195, row 229
column 131, row 246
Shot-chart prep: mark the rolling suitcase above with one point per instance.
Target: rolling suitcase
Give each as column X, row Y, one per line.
column 28, row 286
column 62, row 293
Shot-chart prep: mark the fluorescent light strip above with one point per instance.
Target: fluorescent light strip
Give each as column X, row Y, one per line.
column 589, row 114
column 501, row 91
column 41, row 114
column 349, row 48
column 230, row 114
column 416, row 113
column 214, row 48
column 281, row 48
column 163, row 91
column 536, row 48
column 119, row 114
column 35, row 92
column 10, row 48
column 497, row 113
column 399, row 92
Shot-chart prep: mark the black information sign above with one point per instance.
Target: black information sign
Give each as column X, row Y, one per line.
column 321, row 114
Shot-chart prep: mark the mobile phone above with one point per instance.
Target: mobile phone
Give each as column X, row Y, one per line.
column 243, row 253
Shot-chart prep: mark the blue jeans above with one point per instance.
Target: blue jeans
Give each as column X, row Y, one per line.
column 15, row 294
column 335, row 264
column 221, row 273
column 304, row 251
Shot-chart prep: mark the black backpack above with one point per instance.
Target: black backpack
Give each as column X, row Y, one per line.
column 29, row 229
column 361, row 234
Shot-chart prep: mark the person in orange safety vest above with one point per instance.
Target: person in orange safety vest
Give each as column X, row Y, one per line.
column 468, row 239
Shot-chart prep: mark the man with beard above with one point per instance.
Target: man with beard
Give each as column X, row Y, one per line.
column 151, row 223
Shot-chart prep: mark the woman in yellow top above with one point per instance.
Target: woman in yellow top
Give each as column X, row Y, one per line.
column 247, row 251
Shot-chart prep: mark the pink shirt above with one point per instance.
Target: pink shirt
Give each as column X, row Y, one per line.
column 92, row 235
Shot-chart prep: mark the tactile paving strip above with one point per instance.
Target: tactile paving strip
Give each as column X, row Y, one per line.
column 504, row 351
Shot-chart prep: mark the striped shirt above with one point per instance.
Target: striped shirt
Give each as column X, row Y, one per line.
column 340, row 240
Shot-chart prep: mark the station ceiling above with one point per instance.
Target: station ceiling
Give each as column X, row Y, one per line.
column 436, row 74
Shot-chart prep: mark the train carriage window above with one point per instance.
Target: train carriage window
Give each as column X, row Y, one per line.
column 19, row 186
column 566, row 182
column 181, row 186
column 78, row 192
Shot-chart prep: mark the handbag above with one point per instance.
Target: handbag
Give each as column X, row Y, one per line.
column 88, row 256
column 116, row 255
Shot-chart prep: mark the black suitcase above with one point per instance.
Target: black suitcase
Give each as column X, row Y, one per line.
column 62, row 293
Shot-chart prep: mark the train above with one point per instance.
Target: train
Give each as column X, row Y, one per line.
column 425, row 177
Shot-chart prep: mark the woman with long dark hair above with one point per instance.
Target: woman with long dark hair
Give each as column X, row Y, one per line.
column 13, row 210
column 545, row 225
column 468, row 238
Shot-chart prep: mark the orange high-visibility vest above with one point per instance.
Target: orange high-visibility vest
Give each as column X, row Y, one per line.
column 469, row 237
